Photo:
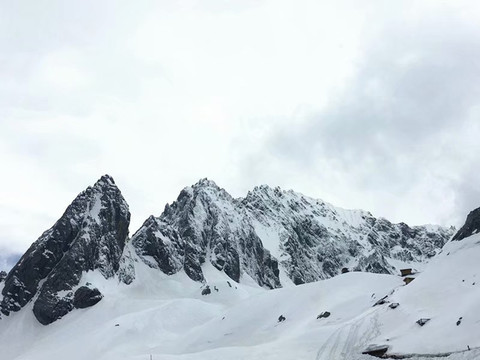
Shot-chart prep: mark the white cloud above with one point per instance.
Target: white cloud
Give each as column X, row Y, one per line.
column 160, row 94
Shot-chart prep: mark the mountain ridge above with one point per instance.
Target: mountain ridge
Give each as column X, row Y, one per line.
column 272, row 236
column 306, row 232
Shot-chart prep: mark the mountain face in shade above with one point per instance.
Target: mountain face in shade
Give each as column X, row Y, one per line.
column 271, row 230
column 471, row 226
column 90, row 235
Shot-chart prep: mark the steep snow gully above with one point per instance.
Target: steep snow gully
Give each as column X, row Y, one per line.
column 274, row 275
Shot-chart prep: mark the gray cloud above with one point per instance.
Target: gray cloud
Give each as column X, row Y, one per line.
column 370, row 107
column 401, row 123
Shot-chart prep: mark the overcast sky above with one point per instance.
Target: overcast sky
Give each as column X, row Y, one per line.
column 364, row 104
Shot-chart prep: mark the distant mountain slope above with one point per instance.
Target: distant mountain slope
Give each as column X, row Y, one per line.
column 271, row 228
column 471, row 226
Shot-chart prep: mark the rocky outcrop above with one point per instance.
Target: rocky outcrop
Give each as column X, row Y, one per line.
column 471, row 226
column 90, row 235
column 85, row 297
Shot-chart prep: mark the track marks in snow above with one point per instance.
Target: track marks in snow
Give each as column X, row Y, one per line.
column 350, row 339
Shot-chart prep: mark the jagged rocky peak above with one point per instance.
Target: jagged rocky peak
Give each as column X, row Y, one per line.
column 206, row 183
column 471, row 226
column 205, row 224
column 272, row 229
column 317, row 238
column 90, row 235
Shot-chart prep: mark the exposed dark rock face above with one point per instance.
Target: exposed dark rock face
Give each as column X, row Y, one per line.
column 90, row 235
column 309, row 238
column 471, row 226
column 3, row 275
column 85, row 297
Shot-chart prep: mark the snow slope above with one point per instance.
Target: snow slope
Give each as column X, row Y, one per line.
column 448, row 289
column 168, row 318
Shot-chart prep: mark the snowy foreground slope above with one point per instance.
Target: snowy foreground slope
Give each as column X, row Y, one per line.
column 447, row 292
column 168, row 318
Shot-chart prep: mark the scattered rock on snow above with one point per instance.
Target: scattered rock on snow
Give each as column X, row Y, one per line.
column 324, row 314
column 206, row 291
column 376, row 350
column 422, row 321
column 381, row 301
column 85, row 297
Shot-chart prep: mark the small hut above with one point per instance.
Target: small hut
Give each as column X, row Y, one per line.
column 408, row 280
column 406, row 272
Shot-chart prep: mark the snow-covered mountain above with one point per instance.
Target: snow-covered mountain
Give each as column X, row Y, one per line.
column 150, row 291
column 271, row 231
column 271, row 236
column 90, row 235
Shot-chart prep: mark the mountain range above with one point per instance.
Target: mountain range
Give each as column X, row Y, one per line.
column 232, row 253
